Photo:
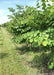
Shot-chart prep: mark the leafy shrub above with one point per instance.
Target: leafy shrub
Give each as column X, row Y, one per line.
column 33, row 26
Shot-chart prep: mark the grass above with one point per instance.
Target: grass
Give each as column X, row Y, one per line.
column 9, row 60
column 14, row 60
column 17, row 59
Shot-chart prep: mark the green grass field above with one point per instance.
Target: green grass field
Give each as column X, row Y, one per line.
column 9, row 60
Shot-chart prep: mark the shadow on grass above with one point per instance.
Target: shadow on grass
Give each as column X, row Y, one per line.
column 24, row 49
column 40, row 62
column 3, row 55
column 1, row 44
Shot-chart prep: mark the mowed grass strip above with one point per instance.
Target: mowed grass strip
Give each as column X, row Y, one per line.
column 9, row 60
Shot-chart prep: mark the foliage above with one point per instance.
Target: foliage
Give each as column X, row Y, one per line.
column 33, row 26
column 51, row 61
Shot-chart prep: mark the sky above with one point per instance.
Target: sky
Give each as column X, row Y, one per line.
column 5, row 4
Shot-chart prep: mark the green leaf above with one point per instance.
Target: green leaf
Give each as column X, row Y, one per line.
column 45, row 38
column 24, row 21
column 35, row 40
column 45, row 43
column 52, row 0
column 51, row 66
column 31, row 40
